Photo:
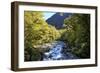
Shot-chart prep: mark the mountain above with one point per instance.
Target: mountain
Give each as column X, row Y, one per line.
column 57, row 19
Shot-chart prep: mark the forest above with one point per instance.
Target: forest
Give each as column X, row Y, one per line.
column 43, row 41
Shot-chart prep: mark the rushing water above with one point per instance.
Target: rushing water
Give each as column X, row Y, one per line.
column 56, row 52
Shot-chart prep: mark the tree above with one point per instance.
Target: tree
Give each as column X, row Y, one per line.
column 78, row 34
column 37, row 32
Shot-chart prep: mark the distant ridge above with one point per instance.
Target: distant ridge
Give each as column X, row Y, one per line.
column 57, row 19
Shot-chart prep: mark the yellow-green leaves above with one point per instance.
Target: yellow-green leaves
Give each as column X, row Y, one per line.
column 37, row 31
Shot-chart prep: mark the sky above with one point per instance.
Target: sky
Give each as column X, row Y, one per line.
column 48, row 14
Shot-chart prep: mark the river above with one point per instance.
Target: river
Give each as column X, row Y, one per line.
column 58, row 51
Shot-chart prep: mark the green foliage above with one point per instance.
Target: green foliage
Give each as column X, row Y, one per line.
column 32, row 55
column 78, row 34
column 37, row 32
